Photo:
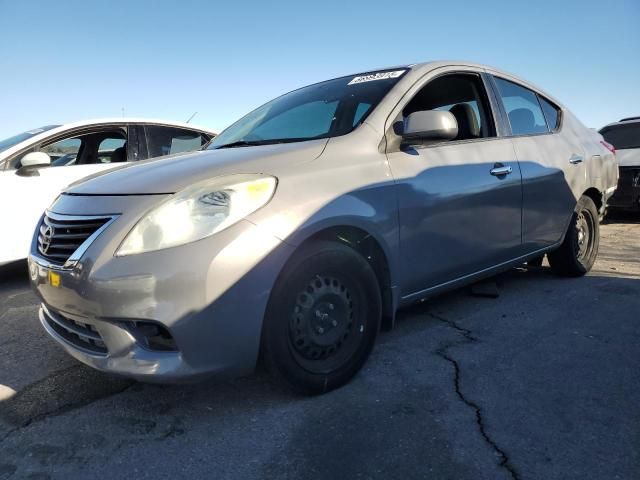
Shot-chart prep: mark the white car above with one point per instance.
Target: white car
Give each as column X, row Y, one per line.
column 36, row 165
column 625, row 137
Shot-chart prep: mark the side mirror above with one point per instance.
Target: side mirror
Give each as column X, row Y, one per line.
column 31, row 162
column 430, row 125
column 36, row 159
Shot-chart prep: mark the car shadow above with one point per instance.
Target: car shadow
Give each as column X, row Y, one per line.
column 258, row 388
column 14, row 274
column 621, row 216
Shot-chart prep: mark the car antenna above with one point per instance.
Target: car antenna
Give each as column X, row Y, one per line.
column 191, row 117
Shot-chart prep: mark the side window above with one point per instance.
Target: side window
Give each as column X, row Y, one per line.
column 464, row 96
column 63, row 153
column 170, row 140
column 522, row 107
column 551, row 113
column 309, row 120
column 112, row 149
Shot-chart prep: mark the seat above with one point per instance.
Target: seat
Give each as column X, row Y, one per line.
column 119, row 154
column 467, row 122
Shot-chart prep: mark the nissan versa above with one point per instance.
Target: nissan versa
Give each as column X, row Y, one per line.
column 301, row 229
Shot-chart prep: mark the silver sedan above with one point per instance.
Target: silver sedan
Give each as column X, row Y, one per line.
column 303, row 227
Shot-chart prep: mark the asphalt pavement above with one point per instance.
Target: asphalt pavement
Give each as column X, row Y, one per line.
column 540, row 383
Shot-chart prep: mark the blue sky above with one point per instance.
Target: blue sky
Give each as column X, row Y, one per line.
column 69, row 60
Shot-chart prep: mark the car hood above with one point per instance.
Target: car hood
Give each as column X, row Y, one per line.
column 172, row 174
column 628, row 157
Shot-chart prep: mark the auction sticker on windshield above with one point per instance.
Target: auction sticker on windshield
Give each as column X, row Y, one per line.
column 376, row 76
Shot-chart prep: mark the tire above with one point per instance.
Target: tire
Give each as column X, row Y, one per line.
column 322, row 320
column 578, row 251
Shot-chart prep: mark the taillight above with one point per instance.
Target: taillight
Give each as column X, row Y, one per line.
column 608, row 146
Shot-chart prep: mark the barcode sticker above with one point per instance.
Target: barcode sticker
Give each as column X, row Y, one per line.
column 376, row 76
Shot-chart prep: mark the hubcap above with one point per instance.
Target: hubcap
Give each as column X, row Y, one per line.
column 584, row 237
column 321, row 327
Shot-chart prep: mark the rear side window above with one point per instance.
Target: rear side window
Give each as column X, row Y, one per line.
column 522, row 107
column 551, row 113
column 170, row 140
column 622, row 136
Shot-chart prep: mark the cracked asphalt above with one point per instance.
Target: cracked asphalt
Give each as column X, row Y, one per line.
column 540, row 383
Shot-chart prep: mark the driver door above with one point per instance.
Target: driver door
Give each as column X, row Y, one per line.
column 458, row 215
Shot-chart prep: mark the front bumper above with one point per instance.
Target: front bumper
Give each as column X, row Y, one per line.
column 210, row 296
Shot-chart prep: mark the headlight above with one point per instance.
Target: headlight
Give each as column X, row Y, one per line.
column 198, row 212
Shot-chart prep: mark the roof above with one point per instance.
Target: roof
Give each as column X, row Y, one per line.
column 121, row 120
column 422, row 68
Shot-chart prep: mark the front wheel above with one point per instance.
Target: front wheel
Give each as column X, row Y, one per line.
column 578, row 251
column 323, row 318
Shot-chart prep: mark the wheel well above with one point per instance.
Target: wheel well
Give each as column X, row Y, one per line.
column 367, row 246
column 595, row 195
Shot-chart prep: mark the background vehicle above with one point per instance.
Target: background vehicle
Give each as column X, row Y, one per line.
column 306, row 224
column 29, row 183
column 625, row 137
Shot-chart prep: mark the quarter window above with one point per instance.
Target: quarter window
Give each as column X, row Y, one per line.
column 522, row 107
column 551, row 113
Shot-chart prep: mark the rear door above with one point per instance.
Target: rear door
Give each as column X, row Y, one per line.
column 552, row 161
column 457, row 214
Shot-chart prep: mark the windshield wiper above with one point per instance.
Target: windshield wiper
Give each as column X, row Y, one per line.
column 253, row 143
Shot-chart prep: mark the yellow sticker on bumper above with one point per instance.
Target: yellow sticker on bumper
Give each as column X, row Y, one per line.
column 54, row 279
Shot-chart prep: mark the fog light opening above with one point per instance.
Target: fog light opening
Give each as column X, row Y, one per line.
column 152, row 336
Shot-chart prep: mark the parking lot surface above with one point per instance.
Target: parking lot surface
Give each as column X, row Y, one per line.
column 540, row 383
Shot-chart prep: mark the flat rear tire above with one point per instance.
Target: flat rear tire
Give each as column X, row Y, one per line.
column 579, row 250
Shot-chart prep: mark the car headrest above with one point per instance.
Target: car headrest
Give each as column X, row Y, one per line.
column 119, row 154
column 521, row 120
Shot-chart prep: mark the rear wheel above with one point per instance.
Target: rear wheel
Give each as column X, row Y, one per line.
column 578, row 251
column 323, row 318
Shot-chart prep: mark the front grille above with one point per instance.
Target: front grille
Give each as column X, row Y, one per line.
column 60, row 236
column 81, row 335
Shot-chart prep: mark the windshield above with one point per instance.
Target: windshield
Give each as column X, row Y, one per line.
column 622, row 136
column 21, row 137
column 323, row 110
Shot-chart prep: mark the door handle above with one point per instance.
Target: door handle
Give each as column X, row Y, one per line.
column 575, row 159
column 499, row 170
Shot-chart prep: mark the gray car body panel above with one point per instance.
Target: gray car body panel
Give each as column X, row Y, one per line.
column 436, row 212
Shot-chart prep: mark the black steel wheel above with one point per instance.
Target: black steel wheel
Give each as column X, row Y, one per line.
column 579, row 250
column 323, row 318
